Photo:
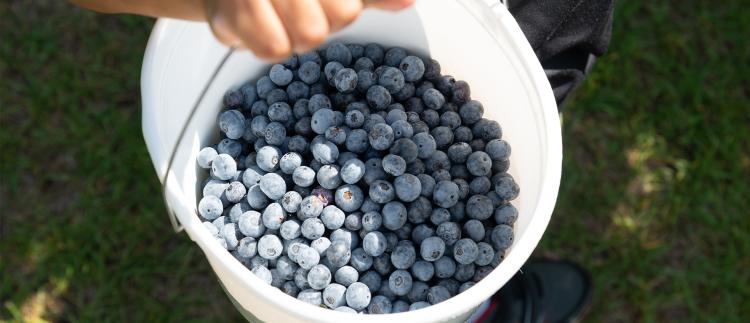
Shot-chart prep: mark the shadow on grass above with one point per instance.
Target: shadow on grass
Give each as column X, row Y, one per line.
column 84, row 235
column 656, row 165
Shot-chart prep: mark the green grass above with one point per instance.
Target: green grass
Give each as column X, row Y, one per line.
column 653, row 201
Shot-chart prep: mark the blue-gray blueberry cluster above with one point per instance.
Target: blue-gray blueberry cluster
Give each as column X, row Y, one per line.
column 361, row 179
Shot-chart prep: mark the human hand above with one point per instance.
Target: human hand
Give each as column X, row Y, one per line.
column 272, row 29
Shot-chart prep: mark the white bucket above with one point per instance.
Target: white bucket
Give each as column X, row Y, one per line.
column 185, row 69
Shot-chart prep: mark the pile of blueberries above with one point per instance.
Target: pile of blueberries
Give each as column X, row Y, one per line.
column 360, row 179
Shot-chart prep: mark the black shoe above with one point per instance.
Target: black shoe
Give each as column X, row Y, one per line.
column 542, row 291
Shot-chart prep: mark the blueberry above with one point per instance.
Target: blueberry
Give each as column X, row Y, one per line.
column 364, row 63
column 457, row 212
column 459, row 152
column 380, row 305
column 378, row 97
column 268, row 158
column 432, row 248
column 275, row 133
column 421, row 232
column 263, row 273
column 418, row 305
column 443, row 137
column 477, row 144
column 307, row 256
column 339, row 52
column 502, row 236
column 273, row 215
column 505, row 187
column 422, row 270
column 223, row 167
column 325, row 195
column 403, row 255
column 431, row 118
column 259, row 108
column 479, row 163
column 485, row 254
column 480, row 185
column 460, row 93
column 365, row 80
column 474, row 229
column 358, row 296
column 479, row 207
column 419, row 210
column 482, row 272
column 381, row 136
column 445, row 194
column 251, row 224
column 290, row 229
column 427, row 184
column 328, row 176
column 338, row 253
column 300, row 277
column 360, row 260
column 309, row 72
column 382, row 191
column 394, row 165
column 311, row 56
column 286, row 267
column 319, row 277
column 354, row 119
column 445, row 84
column 232, row 123
column 312, row 228
column 357, row 141
column 450, row 119
column 290, row 289
column 506, row 214
column 321, row 120
column 444, row 267
column 303, row 127
column 408, row 187
column 332, row 217
column 321, row 245
column 371, row 279
column 311, row 207
column 353, row 221
column 346, row 275
column 500, row 166
column 471, row 112
column 269, row 247
column 394, row 215
column 273, row 185
column 251, row 176
column 391, row 79
column 258, row 125
column 230, row 233
column 311, row 296
column 289, row 162
column 210, row 207
column 487, row 130
column 394, row 56
column 333, row 295
column 374, row 243
column 276, row 95
column 318, row 102
column 433, row 99
column 349, row 198
column 330, row 70
column 345, row 80
column 372, row 221
column 400, row 282
column 404, row 232
column 324, row 152
column 382, row 263
column 263, row 86
column 303, row 176
column 206, row 156
column 375, row 53
column 425, row 143
column 352, row 171
column 413, row 68
column 465, row 251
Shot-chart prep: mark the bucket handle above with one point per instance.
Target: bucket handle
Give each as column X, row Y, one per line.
column 173, row 218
